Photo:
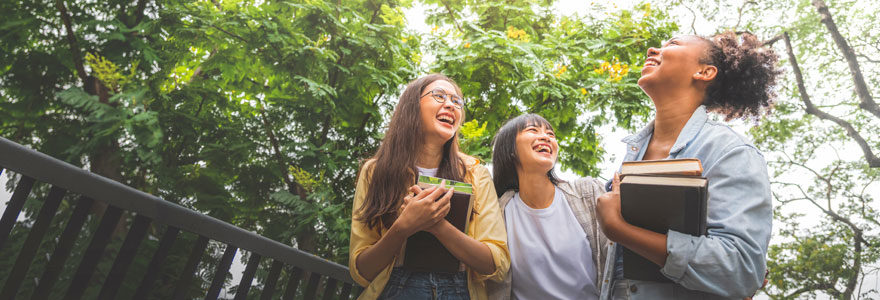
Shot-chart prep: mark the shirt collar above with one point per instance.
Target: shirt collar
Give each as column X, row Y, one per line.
column 688, row 133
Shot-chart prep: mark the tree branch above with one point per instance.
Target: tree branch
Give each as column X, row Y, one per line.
column 772, row 40
column 451, row 15
column 810, row 288
column 848, row 53
column 694, row 20
column 231, row 34
column 868, row 59
column 139, row 11
column 740, row 12
column 71, row 40
column 873, row 161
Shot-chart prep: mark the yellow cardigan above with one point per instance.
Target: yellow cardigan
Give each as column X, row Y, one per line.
column 486, row 227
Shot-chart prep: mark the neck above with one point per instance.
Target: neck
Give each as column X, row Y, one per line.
column 430, row 156
column 535, row 189
column 674, row 108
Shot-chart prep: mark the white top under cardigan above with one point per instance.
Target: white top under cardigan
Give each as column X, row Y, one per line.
column 550, row 254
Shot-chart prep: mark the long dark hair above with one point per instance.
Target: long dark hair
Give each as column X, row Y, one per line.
column 394, row 170
column 504, row 158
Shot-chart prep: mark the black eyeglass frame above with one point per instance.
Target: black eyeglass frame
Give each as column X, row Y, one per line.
column 441, row 96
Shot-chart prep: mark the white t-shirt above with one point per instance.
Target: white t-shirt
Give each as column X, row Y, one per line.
column 427, row 172
column 549, row 252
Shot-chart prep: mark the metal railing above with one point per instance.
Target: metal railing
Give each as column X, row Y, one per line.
column 142, row 212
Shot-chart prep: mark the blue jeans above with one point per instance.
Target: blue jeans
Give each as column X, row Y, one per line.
column 405, row 284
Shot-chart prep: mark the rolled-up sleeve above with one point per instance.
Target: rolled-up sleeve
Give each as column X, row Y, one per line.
column 729, row 261
column 362, row 237
column 488, row 227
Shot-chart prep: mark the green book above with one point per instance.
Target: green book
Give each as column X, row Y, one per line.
column 428, row 181
column 424, row 252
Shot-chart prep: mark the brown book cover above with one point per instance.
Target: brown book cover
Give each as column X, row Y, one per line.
column 424, row 252
column 679, row 166
column 660, row 203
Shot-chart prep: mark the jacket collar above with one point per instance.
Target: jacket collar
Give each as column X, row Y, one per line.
column 688, row 133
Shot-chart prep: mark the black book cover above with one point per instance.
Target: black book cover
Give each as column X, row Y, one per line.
column 424, row 252
column 659, row 204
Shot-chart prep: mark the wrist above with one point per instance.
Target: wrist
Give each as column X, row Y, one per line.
column 396, row 231
column 614, row 226
column 440, row 228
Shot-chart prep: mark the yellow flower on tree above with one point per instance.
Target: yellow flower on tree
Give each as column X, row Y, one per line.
column 467, row 45
column 560, row 71
column 517, row 34
column 616, row 71
column 583, row 91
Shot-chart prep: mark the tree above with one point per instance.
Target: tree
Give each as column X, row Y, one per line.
column 580, row 73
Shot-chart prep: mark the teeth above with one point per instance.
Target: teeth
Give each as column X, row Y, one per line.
column 445, row 118
column 542, row 148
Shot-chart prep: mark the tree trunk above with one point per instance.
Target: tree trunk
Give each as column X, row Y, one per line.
column 867, row 101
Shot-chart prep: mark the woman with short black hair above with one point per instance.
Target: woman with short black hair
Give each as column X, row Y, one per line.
column 687, row 78
column 556, row 247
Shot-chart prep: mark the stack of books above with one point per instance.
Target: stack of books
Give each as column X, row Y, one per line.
column 426, row 253
column 661, row 195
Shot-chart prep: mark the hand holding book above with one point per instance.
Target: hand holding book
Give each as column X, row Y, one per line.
column 424, row 250
column 423, row 209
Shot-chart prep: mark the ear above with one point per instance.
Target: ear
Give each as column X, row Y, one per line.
column 706, row 73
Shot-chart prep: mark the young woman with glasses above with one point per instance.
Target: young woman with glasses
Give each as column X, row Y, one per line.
column 422, row 140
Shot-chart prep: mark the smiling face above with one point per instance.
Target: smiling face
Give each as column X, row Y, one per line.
column 440, row 121
column 675, row 64
column 536, row 148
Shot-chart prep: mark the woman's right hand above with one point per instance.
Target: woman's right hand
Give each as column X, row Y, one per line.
column 423, row 209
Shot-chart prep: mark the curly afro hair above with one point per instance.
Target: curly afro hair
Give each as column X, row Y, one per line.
column 746, row 79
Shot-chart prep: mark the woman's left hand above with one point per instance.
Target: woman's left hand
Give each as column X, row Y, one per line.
column 608, row 208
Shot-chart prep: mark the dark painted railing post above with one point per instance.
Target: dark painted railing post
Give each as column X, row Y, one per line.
column 94, row 252
column 34, row 238
column 189, row 269
column 13, row 208
column 136, row 234
column 62, row 250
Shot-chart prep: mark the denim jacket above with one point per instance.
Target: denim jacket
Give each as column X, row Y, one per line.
column 729, row 262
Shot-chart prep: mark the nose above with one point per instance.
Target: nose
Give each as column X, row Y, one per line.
column 653, row 51
column 447, row 104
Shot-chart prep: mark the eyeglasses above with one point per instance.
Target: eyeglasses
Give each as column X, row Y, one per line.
column 441, row 97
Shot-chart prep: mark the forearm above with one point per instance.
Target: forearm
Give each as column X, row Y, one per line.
column 374, row 259
column 648, row 244
column 473, row 253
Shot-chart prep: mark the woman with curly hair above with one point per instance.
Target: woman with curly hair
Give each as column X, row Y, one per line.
column 688, row 77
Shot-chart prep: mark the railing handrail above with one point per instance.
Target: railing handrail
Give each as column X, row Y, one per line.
column 42, row 167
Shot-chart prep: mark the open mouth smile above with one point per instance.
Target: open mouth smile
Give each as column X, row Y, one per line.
column 543, row 148
column 446, row 118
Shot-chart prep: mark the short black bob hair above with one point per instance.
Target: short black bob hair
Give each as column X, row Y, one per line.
column 504, row 158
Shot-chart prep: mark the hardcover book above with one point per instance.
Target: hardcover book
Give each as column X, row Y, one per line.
column 660, row 203
column 424, row 252
column 681, row 166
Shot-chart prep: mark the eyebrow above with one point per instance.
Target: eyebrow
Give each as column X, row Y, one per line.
column 669, row 41
column 444, row 90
